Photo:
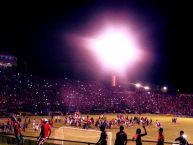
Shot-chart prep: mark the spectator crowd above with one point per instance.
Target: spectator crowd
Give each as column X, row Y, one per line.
column 34, row 94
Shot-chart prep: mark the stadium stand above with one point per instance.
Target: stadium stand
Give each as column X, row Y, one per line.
column 34, row 94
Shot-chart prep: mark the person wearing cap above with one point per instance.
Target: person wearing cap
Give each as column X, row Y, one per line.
column 45, row 132
column 182, row 139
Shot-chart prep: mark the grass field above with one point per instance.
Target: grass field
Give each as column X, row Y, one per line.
column 171, row 130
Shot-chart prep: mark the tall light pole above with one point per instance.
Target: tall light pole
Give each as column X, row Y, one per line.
column 114, row 80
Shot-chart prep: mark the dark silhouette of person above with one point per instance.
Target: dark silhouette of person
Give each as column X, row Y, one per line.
column 103, row 137
column 138, row 136
column 160, row 137
column 182, row 139
column 121, row 137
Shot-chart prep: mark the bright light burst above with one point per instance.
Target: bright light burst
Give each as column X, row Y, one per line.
column 138, row 85
column 115, row 42
column 146, row 88
column 184, row 135
column 116, row 48
column 165, row 88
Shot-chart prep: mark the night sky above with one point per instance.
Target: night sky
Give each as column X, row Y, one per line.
column 35, row 33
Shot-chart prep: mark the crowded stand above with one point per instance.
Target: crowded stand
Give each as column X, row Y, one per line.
column 38, row 95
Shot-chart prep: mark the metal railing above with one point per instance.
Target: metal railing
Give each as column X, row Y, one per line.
column 155, row 142
column 9, row 139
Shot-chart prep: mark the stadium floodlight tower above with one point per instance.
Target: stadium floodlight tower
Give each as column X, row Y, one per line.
column 116, row 49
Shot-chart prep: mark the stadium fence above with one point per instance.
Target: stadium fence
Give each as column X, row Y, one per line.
column 9, row 139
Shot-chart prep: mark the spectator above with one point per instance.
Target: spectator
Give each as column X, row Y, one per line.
column 121, row 137
column 45, row 132
column 17, row 132
column 182, row 139
column 160, row 137
column 103, row 137
column 138, row 136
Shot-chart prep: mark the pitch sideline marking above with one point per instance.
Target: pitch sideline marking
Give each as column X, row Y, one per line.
column 110, row 133
column 81, row 129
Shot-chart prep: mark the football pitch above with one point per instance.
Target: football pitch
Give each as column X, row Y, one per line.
column 171, row 130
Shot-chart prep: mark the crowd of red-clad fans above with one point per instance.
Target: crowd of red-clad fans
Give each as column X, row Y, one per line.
column 30, row 93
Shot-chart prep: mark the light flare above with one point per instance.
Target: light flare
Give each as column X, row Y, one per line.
column 115, row 48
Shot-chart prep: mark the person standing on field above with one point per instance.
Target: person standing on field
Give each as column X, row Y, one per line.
column 121, row 137
column 45, row 132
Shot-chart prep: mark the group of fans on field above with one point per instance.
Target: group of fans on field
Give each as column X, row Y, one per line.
column 17, row 127
column 45, row 125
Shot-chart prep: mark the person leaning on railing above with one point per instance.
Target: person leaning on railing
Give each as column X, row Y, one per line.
column 182, row 139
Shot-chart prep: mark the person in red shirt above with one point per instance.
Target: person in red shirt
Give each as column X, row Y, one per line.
column 17, row 132
column 45, row 132
column 160, row 137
